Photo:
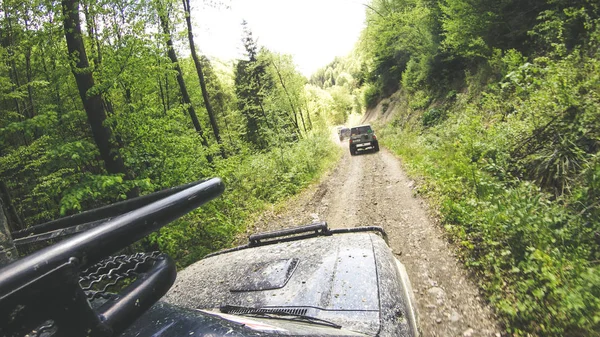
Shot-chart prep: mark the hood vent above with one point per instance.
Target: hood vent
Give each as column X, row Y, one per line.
column 266, row 275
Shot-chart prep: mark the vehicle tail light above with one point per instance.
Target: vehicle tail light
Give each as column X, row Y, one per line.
column 350, row 141
column 374, row 137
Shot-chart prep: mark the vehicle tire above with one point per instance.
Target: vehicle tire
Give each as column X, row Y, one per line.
column 352, row 151
column 376, row 147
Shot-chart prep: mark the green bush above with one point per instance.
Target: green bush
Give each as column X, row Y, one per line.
column 432, row 117
column 416, row 73
column 515, row 175
column 252, row 181
column 419, row 100
column 372, row 94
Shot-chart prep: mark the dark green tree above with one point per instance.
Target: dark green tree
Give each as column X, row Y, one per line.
column 252, row 85
column 92, row 101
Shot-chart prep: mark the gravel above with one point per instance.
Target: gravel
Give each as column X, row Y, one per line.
column 372, row 189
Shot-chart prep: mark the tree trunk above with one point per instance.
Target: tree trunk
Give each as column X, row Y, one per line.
column 29, row 76
column 13, row 73
column 93, row 103
column 310, row 126
column 162, row 95
column 31, row 107
column 90, row 21
column 167, row 92
column 8, row 253
column 12, row 211
column 287, row 94
column 15, row 79
column 205, row 96
column 184, row 93
column 262, row 109
column 302, row 120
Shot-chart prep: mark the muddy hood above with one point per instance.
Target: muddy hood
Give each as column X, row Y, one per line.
column 336, row 278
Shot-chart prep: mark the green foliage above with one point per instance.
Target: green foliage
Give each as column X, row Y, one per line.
column 90, row 189
column 341, row 80
column 420, row 99
column 533, row 256
column 559, row 103
column 502, row 122
column 272, row 126
column 432, row 117
column 466, row 26
column 252, row 84
column 342, row 105
column 371, row 95
column 252, row 182
column 319, row 103
column 271, row 97
column 416, row 74
column 400, row 43
column 287, row 102
column 473, row 29
column 562, row 27
column 515, row 176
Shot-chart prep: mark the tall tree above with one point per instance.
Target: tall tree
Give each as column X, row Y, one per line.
column 8, row 42
column 8, row 253
column 14, row 220
column 198, row 65
column 92, row 101
column 164, row 22
column 252, row 83
column 290, row 101
column 28, row 72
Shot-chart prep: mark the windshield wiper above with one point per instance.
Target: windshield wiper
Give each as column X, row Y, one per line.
column 275, row 313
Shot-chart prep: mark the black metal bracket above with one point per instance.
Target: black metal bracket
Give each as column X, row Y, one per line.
column 44, row 286
column 314, row 229
column 299, row 233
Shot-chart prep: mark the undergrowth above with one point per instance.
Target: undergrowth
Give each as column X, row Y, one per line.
column 252, row 182
column 515, row 175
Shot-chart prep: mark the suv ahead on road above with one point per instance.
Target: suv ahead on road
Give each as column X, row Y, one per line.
column 343, row 133
column 363, row 137
column 305, row 281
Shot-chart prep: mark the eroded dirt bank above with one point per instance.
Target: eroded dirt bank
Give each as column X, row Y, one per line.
column 372, row 189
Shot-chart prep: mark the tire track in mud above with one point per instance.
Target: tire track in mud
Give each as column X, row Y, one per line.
column 371, row 189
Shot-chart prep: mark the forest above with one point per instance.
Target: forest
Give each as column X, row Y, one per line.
column 496, row 112
column 104, row 101
column 492, row 106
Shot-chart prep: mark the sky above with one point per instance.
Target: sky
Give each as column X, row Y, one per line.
column 314, row 32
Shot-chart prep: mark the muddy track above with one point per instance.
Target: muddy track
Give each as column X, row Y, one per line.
column 372, row 189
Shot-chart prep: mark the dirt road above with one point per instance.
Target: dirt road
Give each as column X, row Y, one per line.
column 371, row 189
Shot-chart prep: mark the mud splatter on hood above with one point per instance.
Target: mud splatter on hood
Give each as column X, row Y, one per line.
column 332, row 278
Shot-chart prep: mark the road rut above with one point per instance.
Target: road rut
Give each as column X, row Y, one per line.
column 371, row 189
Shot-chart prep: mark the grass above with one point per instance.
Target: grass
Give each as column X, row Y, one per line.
column 253, row 182
column 534, row 252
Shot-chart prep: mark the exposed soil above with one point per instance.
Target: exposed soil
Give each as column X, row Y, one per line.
column 372, row 189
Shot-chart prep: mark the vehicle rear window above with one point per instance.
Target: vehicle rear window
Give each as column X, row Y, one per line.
column 360, row 130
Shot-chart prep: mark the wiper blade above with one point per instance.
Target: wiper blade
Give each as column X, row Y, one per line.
column 275, row 314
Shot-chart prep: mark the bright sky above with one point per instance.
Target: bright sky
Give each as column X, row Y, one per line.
column 312, row 31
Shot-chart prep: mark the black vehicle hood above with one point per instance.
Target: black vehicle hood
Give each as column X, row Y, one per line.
column 350, row 279
column 333, row 278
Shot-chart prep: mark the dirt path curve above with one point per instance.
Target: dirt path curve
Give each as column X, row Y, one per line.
column 372, row 189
